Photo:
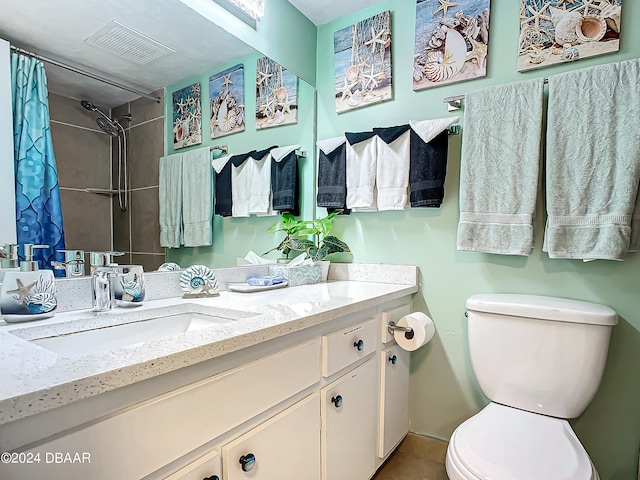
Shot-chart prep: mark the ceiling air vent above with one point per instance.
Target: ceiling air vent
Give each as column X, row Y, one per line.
column 127, row 43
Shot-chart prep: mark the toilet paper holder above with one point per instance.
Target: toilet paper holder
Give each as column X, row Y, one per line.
column 408, row 331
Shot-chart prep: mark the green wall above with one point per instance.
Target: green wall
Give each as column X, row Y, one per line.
column 234, row 237
column 443, row 389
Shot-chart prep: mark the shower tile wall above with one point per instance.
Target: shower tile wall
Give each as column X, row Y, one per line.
column 137, row 231
column 83, row 156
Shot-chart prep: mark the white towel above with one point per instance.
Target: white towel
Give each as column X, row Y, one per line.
column 170, row 199
column 260, row 190
column 593, row 168
column 241, row 188
column 197, row 197
column 392, row 167
column 500, row 167
column 361, row 171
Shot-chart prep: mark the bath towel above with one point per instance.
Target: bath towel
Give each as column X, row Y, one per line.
column 170, row 193
column 593, row 169
column 392, row 167
column 197, row 197
column 332, row 173
column 500, row 167
column 428, row 164
column 361, row 171
column 260, row 191
column 241, row 173
column 223, row 203
column 284, row 179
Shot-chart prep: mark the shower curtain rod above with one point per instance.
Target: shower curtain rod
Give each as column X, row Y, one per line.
column 85, row 73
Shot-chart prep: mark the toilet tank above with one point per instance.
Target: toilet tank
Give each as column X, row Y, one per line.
column 541, row 354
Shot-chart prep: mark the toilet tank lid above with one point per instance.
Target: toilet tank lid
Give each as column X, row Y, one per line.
column 544, row 308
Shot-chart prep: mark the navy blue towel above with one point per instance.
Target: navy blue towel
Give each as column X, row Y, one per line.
column 332, row 174
column 428, row 170
column 224, row 201
column 284, row 184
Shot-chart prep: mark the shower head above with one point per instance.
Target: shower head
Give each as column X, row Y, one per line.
column 88, row 105
column 108, row 126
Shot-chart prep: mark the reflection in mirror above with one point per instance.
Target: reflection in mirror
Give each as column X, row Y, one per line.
column 107, row 148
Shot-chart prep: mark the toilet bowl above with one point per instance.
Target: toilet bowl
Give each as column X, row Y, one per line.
column 539, row 360
column 504, row 443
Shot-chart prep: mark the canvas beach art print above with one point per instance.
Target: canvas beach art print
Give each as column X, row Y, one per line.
column 226, row 99
column 559, row 31
column 276, row 95
column 362, row 56
column 451, row 42
column 187, row 117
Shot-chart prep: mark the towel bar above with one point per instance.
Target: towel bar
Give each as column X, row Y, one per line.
column 223, row 148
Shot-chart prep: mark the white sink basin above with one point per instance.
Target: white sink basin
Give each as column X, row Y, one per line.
column 89, row 336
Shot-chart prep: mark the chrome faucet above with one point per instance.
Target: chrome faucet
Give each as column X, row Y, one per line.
column 101, row 289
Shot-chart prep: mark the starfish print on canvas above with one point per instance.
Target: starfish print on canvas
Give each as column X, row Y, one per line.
column 444, row 6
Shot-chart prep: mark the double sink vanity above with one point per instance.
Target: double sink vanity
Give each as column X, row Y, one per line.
column 301, row 382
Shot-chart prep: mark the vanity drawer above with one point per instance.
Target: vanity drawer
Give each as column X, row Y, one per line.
column 343, row 347
column 150, row 435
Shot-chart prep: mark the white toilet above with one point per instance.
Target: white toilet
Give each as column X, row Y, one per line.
column 540, row 361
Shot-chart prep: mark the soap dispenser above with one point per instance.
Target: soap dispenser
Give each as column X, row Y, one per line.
column 30, row 293
column 9, row 262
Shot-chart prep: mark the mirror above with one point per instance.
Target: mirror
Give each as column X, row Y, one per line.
column 88, row 159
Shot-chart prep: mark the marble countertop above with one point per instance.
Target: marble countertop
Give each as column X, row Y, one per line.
column 34, row 379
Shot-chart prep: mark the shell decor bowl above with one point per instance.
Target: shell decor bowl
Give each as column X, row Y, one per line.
column 169, row 267
column 128, row 289
column 591, row 29
column 28, row 296
column 198, row 279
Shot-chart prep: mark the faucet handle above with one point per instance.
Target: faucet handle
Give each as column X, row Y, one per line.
column 102, row 259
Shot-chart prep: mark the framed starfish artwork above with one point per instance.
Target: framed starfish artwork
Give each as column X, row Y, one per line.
column 276, row 95
column 559, row 31
column 187, row 117
column 362, row 60
column 451, row 42
column 226, row 98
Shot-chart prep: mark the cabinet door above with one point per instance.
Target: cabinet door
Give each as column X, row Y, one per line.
column 286, row 447
column 349, row 407
column 394, row 398
column 206, row 467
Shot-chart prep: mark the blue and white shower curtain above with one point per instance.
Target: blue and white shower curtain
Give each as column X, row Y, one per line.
column 38, row 207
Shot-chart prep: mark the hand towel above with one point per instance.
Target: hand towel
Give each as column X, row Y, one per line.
column 361, row 171
column 241, row 172
column 197, row 197
column 260, row 191
column 170, row 193
column 223, row 204
column 332, row 173
column 500, row 167
column 593, row 140
column 428, row 163
column 284, row 179
column 392, row 167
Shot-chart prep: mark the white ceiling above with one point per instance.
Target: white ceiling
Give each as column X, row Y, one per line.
column 57, row 30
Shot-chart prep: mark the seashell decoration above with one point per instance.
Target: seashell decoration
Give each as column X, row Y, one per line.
column 611, row 15
column 591, row 28
column 569, row 53
column 351, row 74
column 278, row 117
column 566, row 24
column 282, row 94
column 449, row 63
column 356, row 99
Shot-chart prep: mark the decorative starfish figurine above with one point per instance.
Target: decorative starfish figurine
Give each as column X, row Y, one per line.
column 346, row 90
column 22, row 291
column 181, row 107
column 370, row 79
column 588, row 4
column 267, row 107
column 444, row 6
column 263, row 77
column 286, row 105
column 377, row 39
column 227, row 81
column 538, row 15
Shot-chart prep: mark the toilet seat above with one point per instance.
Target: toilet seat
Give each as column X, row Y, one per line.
column 504, row 443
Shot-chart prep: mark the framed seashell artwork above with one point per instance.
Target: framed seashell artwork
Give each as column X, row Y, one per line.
column 362, row 60
column 226, row 99
column 559, row 31
column 187, row 117
column 451, row 42
column 276, row 95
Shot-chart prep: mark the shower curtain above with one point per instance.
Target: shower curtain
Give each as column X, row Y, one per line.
column 38, row 207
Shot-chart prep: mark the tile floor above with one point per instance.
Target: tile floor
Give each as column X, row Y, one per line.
column 416, row 458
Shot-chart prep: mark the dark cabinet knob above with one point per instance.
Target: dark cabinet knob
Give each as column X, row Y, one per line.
column 393, row 359
column 212, row 477
column 359, row 345
column 337, row 401
column 248, row 461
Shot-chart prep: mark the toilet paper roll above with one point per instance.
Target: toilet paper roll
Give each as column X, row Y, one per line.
column 423, row 331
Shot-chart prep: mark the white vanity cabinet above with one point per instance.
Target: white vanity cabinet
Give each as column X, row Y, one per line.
column 324, row 402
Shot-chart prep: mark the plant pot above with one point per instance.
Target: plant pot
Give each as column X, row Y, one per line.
column 325, row 268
